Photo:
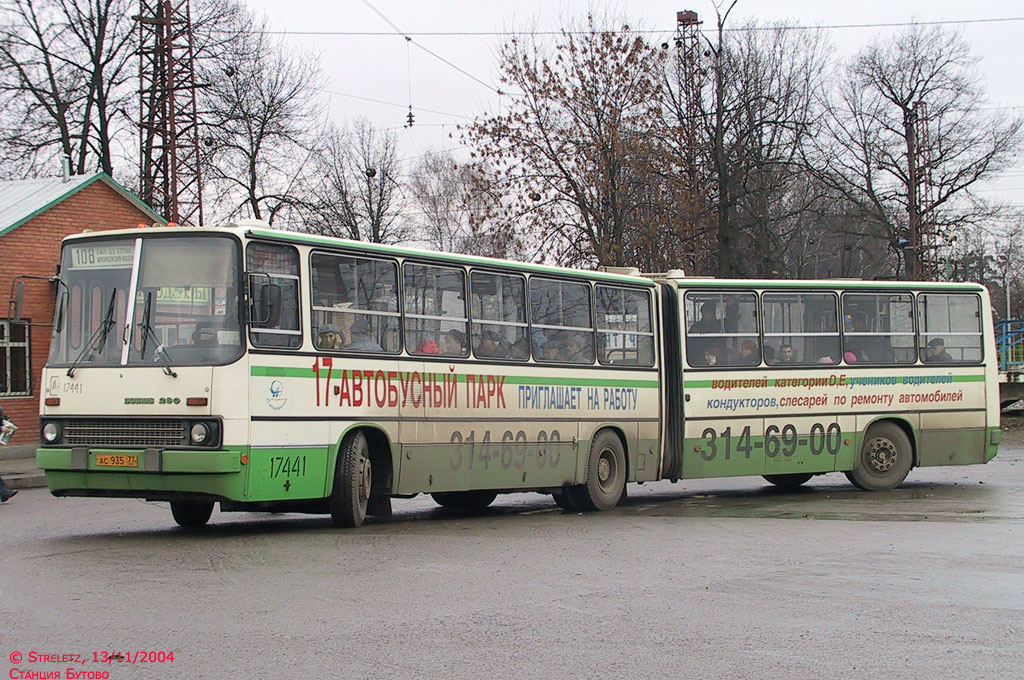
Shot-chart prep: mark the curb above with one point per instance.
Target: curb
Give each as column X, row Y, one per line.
column 31, row 480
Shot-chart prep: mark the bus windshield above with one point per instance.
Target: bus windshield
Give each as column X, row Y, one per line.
column 186, row 310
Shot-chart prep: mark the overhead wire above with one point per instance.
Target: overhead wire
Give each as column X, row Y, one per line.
column 738, row 29
column 437, row 56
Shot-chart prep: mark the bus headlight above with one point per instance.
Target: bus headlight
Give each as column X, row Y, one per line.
column 51, row 432
column 200, row 433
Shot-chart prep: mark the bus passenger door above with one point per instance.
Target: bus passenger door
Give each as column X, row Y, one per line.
column 432, row 459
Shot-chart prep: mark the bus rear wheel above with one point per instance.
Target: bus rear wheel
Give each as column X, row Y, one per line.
column 885, row 458
column 464, row 500
column 606, row 474
column 353, row 477
column 191, row 514
column 790, row 481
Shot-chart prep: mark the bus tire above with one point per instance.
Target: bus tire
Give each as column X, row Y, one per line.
column 353, row 476
column 565, row 500
column 885, row 458
column 790, row 481
column 464, row 500
column 191, row 514
column 606, row 474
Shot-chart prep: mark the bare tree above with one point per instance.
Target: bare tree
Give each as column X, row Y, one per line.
column 759, row 86
column 569, row 153
column 438, row 186
column 262, row 110
column 65, row 72
column 909, row 140
column 357, row 194
column 452, row 214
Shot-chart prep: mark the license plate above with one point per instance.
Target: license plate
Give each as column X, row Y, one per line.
column 115, row 460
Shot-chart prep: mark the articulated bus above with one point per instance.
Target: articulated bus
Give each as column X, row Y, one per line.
column 274, row 371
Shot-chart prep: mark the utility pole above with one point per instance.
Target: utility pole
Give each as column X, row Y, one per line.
column 170, row 178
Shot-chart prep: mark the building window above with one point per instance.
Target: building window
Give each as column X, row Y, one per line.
column 14, row 359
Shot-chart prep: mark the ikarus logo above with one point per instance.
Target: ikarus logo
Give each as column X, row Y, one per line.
column 277, row 400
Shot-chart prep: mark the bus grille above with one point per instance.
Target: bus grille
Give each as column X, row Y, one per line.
column 144, row 432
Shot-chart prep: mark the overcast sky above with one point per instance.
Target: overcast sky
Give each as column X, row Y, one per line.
column 364, row 58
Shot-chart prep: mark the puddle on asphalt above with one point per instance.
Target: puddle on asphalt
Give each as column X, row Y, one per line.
column 912, row 503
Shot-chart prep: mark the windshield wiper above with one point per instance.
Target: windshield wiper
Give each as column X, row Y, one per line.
column 148, row 332
column 99, row 336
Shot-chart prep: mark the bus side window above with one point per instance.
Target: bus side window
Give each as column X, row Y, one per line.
column 878, row 328
column 281, row 264
column 498, row 305
column 354, row 303
column 721, row 329
column 624, row 331
column 562, row 329
column 435, row 305
column 950, row 328
column 801, row 328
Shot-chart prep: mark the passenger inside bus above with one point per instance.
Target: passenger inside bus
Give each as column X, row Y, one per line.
column 552, row 350
column 697, row 346
column 787, row 356
column 748, row 354
column 455, row 343
column 936, row 352
column 329, row 337
column 577, row 350
column 359, row 339
column 488, row 346
column 429, row 346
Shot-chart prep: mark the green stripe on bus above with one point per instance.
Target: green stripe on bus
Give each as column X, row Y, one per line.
column 295, row 372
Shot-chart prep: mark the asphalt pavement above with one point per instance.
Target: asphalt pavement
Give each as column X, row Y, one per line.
column 725, row 578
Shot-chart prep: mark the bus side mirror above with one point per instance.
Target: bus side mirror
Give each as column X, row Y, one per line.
column 58, row 323
column 260, row 301
column 270, row 305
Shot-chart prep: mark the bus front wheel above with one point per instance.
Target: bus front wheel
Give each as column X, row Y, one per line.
column 790, row 481
column 191, row 514
column 885, row 458
column 606, row 474
column 353, row 476
column 464, row 500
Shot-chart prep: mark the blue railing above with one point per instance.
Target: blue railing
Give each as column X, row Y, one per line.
column 1010, row 344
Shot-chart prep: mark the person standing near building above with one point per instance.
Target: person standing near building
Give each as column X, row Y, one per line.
column 5, row 493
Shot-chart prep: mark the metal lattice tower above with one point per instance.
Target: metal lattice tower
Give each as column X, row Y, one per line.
column 924, row 189
column 687, row 40
column 170, row 177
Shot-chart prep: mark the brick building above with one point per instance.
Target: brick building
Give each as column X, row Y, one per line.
column 35, row 215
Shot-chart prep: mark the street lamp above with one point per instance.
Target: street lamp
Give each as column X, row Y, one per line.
column 900, row 245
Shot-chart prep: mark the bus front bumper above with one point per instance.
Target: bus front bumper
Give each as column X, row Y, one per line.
column 144, row 473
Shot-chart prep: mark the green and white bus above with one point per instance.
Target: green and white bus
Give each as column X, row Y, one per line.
column 276, row 371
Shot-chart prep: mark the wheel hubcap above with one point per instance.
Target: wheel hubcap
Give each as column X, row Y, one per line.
column 365, row 478
column 882, row 454
column 606, row 469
